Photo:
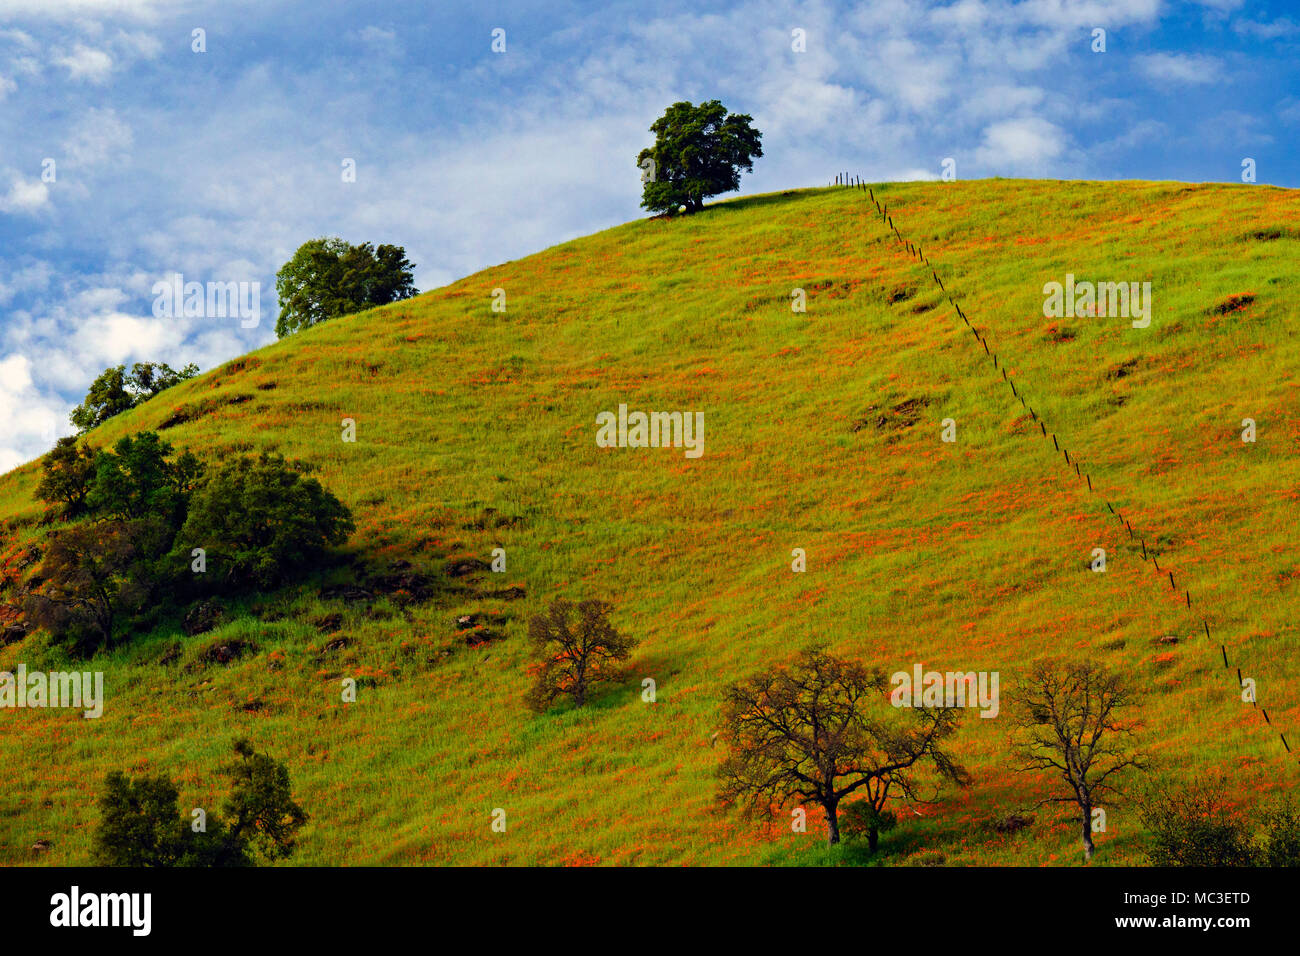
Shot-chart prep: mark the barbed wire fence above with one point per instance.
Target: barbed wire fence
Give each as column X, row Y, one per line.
column 849, row 181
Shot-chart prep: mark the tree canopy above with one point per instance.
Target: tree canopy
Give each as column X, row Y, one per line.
column 115, row 391
column 821, row 730
column 329, row 277
column 699, row 151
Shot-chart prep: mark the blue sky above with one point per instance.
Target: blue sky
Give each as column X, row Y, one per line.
column 217, row 165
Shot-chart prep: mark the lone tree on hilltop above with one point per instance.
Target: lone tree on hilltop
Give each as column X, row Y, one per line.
column 822, row 730
column 1068, row 723
column 328, row 277
column 699, row 152
column 576, row 646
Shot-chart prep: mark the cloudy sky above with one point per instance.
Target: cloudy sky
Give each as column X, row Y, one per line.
column 218, row 164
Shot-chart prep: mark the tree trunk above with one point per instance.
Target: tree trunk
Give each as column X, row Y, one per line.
column 832, row 824
column 1087, row 831
column 873, row 837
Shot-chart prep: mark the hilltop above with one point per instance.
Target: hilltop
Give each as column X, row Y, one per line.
column 477, row 430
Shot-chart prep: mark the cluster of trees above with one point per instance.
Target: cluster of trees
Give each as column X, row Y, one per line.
column 329, row 277
column 150, row 528
column 141, row 823
column 116, row 391
column 820, row 730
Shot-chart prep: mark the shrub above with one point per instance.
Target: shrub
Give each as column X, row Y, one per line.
column 861, row 819
column 140, row 823
column 1280, row 840
column 1196, row 826
column 91, row 581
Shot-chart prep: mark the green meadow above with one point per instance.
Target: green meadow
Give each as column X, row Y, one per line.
column 475, row 430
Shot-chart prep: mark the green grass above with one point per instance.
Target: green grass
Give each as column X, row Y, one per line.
column 969, row 556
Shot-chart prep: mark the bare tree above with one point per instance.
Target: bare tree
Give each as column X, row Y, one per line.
column 575, row 647
column 807, row 732
column 1068, row 723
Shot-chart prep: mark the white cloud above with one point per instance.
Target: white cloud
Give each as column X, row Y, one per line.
column 25, row 196
column 86, row 63
column 1020, row 145
column 33, row 419
column 98, row 135
column 1181, row 68
column 71, row 9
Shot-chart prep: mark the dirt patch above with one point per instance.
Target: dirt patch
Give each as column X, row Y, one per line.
column 1233, row 303
column 491, row 518
column 329, row 623
column 196, row 410
column 348, row 593
column 1271, row 234
column 1122, row 370
column 1013, row 823
column 1055, row 334
column 893, row 418
column 462, row 567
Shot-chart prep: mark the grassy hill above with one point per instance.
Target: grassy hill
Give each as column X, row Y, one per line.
column 476, row 429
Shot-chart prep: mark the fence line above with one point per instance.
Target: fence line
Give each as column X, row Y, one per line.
column 858, row 185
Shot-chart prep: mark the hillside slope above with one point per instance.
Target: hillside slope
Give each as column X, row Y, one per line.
column 476, row 429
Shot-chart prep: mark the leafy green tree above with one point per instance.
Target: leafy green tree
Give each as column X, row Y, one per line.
column 108, row 396
column 699, row 151
column 575, row 647
column 261, row 814
column 140, row 822
column 329, row 277
column 147, row 379
column 67, row 472
column 137, row 480
column 114, row 391
column 260, row 520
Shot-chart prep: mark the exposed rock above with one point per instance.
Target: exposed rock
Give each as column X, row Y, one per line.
column 202, row 617
column 226, row 652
